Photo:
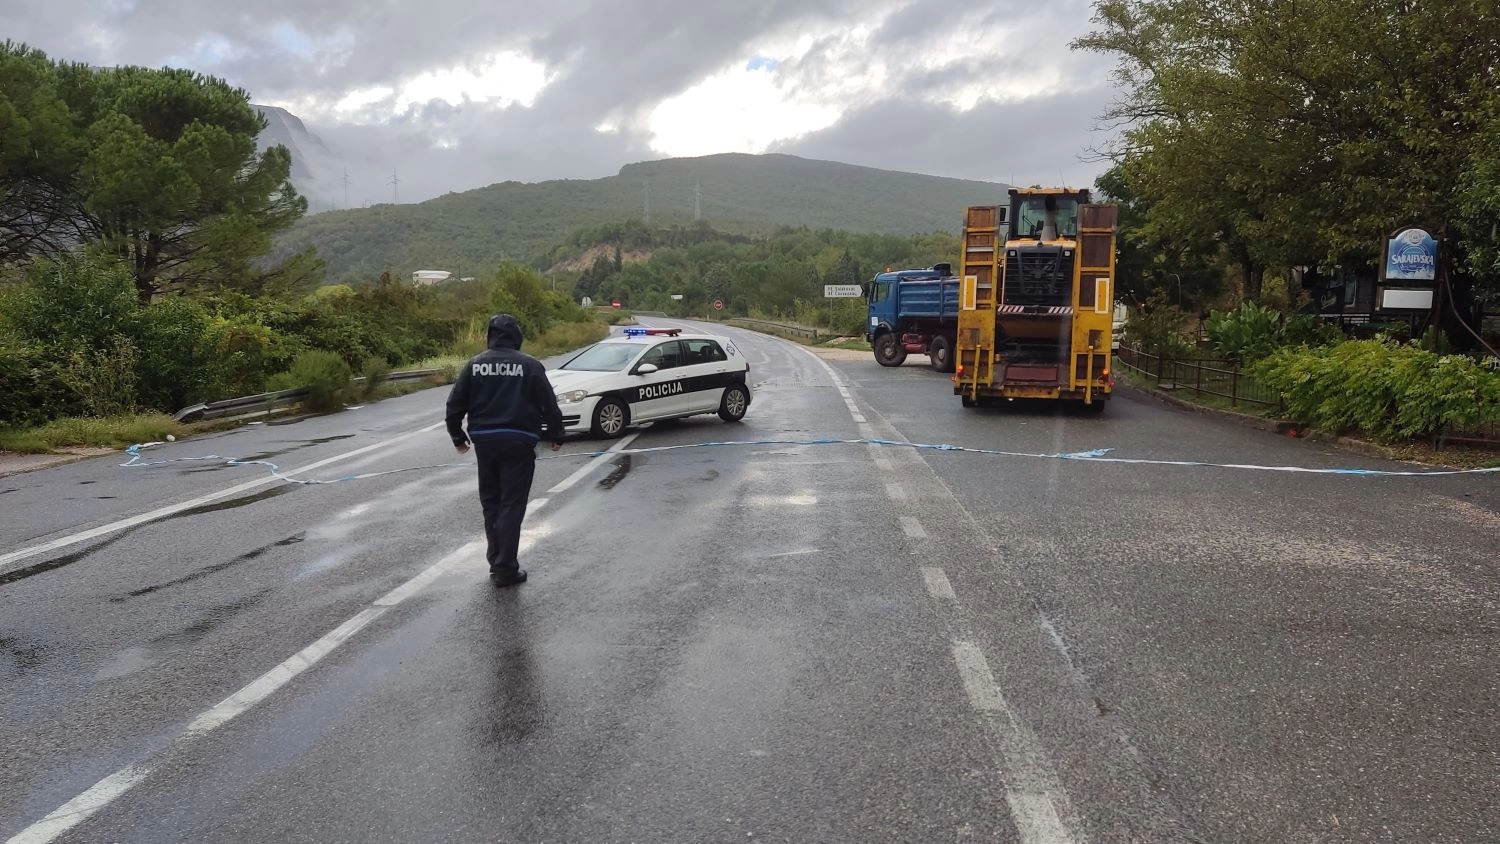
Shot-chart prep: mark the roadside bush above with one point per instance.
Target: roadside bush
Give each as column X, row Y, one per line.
column 1252, row 332
column 376, row 370
column 32, row 389
column 103, row 379
column 174, row 368
column 1386, row 390
column 72, row 301
column 324, row 375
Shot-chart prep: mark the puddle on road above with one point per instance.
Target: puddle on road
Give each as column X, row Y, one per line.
column 622, row 468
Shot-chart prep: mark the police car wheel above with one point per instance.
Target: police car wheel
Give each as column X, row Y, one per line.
column 610, row 418
column 734, row 404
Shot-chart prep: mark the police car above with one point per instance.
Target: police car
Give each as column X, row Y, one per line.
column 651, row 374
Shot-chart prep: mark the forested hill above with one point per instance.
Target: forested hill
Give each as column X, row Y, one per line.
column 469, row 233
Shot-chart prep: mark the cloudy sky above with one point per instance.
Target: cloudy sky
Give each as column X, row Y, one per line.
column 455, row 94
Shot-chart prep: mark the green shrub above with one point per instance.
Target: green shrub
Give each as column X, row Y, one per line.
column 103, row 379
column 1252, row 332
column 1385, row 390
column 175, row 367
column 376, row 370
column 324, row 375
column 32, row 387
column 1247, row 333
column 72, row 301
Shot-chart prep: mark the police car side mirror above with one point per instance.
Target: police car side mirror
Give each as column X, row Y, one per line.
column 645, row 369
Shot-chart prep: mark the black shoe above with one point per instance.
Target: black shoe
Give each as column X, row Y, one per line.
column 502, row 579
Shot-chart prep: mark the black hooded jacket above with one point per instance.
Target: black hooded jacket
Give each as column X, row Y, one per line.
column 505, row 394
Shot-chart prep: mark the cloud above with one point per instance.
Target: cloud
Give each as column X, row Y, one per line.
column 1040, row 140
column 453, row 94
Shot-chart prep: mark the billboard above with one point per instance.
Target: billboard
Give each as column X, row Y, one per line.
column 1411, row 255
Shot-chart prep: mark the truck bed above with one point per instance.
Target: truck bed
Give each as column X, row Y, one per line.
column 928, row 298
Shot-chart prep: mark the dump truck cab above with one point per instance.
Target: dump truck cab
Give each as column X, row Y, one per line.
column 1036, row 299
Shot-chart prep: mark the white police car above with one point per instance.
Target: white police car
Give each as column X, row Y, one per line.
column 651, row 374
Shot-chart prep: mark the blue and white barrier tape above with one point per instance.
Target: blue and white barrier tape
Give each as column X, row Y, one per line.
column 1098, row 455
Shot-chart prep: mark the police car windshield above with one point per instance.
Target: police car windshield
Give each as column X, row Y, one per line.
column 605, row 357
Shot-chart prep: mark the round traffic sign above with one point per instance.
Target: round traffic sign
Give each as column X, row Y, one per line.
column 718, row 304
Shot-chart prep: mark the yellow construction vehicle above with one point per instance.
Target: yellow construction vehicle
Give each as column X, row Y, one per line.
column 1036, row 299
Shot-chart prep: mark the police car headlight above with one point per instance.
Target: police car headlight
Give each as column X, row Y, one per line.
column 572, row 396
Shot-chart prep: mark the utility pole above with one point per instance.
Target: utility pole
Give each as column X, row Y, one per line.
column 395, row 188
column 346, row 187
column 646, row 187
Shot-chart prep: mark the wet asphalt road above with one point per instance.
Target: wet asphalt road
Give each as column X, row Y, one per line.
column 791, row 643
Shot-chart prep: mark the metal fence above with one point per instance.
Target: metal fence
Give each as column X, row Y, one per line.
column 1200, row 376
column 1486, row 435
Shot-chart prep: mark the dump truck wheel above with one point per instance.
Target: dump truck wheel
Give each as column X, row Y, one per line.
column 889, row 351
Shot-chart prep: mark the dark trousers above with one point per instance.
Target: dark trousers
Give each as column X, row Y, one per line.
column 505, row 471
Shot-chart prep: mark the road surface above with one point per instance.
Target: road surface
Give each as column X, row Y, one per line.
column 774, row 642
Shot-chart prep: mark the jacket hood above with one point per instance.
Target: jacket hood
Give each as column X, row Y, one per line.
column 504, row 332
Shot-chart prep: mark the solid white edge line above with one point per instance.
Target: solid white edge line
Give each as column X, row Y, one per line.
column 77, row 810
column 163, row 512
column 567, row 483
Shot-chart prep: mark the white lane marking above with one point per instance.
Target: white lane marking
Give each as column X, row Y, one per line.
column 567, row 483
column 1036, row 818
column 163, row 512
column 979, row 682
column 912, row 527
column 105, row 791
column 895, row 491
column 798, row 500
column 937, row 584
column 884, row 465
column 433, row 572
column 77, row 810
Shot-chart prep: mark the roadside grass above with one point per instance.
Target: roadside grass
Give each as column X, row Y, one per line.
column 74, row 432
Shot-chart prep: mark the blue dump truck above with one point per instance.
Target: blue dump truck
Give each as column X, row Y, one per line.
column 914, row 311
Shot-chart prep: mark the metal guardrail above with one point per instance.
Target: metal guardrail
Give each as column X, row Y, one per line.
column 808, row 331
column 270, row 401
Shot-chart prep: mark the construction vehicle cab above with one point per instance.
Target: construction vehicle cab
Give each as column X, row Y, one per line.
column 1037, row 299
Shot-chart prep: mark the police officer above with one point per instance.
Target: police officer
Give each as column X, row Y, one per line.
column 509, row 402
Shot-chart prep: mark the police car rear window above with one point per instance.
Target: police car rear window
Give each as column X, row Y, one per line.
column 605, row 357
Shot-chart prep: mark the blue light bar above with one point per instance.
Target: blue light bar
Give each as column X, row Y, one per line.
column 652, row 332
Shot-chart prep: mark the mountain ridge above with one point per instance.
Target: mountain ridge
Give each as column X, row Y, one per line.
column 739, row 193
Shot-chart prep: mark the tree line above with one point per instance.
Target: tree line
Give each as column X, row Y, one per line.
column 1259, row 136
